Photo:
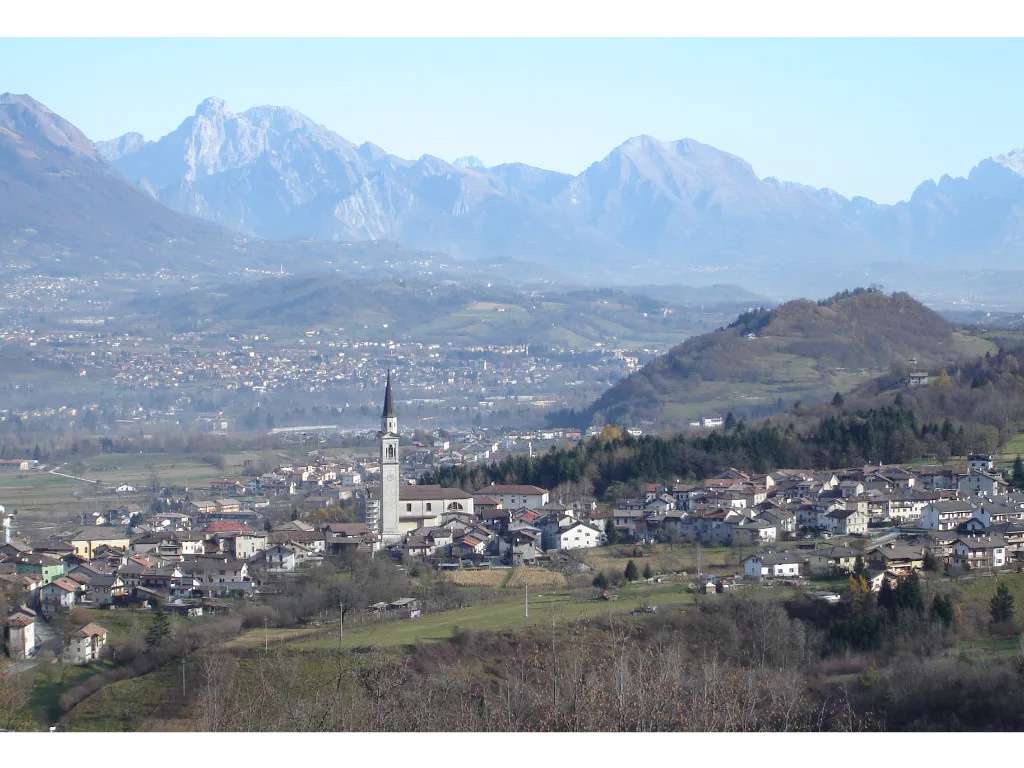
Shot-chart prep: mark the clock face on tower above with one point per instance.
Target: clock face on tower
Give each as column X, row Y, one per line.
column 389, row 476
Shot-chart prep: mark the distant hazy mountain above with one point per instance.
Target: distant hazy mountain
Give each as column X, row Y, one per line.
column 649, row 212
column 65, row 208
column 62, row 204
column 649, row 205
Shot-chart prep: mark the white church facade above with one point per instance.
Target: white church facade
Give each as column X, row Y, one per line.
column 404, row 508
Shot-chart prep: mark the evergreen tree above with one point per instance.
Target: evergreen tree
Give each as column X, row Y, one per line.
column 886, row 596
column 1001, row 606
column 648, row 571
column 837, row 400
column 931, row 562
column 942, row 610
column 610, row 531
column 601, row 581
column 159, row 628
column 630, row 574
column 908, row 595
column 730, row 421
column 1017, row 477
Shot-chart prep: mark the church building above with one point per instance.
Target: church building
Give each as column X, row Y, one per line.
column 404, row 508
column 389, row 470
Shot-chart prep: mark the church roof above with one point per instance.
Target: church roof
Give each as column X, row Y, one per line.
column 389, row 403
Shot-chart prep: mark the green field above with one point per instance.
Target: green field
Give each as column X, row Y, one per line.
column 978, row 590
column 662, row 558
column 560, row 606
column 1013, row 448
column 49, row 681
column 127, row 704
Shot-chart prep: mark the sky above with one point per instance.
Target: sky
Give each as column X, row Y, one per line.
column 871, row 117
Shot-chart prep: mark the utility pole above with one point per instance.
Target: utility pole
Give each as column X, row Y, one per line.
column 554, row 663
column 527, row 613
column 266, row 636
column 341, row 621
column 183, row 677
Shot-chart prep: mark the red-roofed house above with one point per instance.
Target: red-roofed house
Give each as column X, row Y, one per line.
column 59, row 593
column 20, row 635
column 467, row 546
column 227, row 526
column 85, row 644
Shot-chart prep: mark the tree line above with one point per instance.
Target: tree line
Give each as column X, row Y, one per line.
column 887, row 434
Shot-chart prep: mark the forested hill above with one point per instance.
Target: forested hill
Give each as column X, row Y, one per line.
column 975, row 406
column 767, row 359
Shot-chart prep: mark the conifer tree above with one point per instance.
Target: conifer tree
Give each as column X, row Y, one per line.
column 1017, row 477
column 1002, row 605
column 610, row 531
column 159, row 628
column 630, row 574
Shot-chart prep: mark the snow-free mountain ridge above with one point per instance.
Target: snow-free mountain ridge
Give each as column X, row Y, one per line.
column 650, row 210
column 648, row 204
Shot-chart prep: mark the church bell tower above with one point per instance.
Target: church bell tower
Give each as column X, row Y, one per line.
column 389, row 469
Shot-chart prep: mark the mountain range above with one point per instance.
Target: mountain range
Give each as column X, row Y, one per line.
column 65, row 209
column 270, row 186
column 273, row 172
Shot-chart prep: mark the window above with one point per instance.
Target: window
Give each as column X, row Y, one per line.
column 408, row 507
column 428, row 506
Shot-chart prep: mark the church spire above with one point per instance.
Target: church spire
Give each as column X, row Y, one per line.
column 389, row 404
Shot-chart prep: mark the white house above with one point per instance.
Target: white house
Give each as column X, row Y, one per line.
column 280, row 557
column 20, row 634
column 980, row 551
column 5, row 526
column 59, row 593
column 125, row 488
column 981, row 461
column 772, row 565
column 989, row 513
column 218, row 574
column 783, row 520
column 516, row 496
column 757, row 531
column 977, row 482
column 945, row 515
column 844, row 522
column 579, row 535
column 85, row 644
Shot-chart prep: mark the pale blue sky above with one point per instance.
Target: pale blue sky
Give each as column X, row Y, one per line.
column 864, row 117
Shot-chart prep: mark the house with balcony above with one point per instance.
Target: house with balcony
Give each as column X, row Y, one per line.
column 946, row 515
column 85, row 644
column 980, row 551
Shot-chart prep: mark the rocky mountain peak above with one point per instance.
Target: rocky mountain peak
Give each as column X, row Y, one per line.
column 212, row 106
column 469, row 161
